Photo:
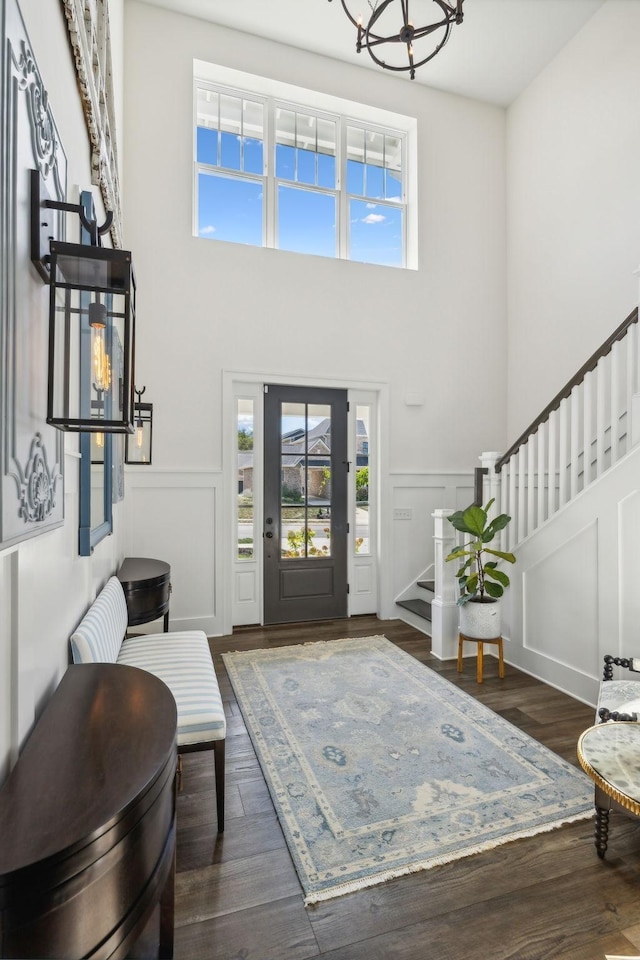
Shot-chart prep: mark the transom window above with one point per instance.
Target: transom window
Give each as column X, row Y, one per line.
column 276, row 174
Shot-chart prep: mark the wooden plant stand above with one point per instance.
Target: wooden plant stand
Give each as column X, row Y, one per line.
column 480, row 661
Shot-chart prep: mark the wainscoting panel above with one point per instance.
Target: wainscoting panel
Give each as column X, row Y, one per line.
column 174, row 517
column 627, row 643
column 246, row 591
column 557, row 603
column 574, row 591
column 362, row 579
column 413, row 499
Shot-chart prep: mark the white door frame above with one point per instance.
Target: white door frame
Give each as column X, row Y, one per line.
column 237, row 383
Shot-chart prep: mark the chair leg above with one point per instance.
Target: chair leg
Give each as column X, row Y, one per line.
column 218, row 762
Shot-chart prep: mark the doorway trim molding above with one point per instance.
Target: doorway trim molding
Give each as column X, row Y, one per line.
column 231, row 382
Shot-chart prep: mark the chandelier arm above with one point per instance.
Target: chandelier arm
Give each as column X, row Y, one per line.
column 454, row 12
column 431, row 28
column 409, row 67
column 354, row 20
column 377, row 43
column 377, row 13
column 421, row 63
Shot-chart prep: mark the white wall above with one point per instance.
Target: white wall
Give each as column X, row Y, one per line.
column 207, row 306
column 44, row 586
column 573, row 205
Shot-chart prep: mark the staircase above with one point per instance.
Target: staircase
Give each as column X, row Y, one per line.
column 571, row 484
column 420, row 606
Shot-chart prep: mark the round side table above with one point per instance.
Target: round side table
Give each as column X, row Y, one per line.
column 610, row 754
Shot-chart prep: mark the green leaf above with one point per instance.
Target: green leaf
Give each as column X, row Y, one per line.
column 496, row 525
column 472, row 583
column 457, row 520
column 472, row 520
column 509, row 557
column 459, row 552
column 476, row 520
column 493, row 590
column 498, row 575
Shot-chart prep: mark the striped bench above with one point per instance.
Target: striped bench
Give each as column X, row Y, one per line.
column 182, row 660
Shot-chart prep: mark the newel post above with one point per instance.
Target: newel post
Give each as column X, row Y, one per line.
column 492, row 485
column 444, row 609
column 492, row 479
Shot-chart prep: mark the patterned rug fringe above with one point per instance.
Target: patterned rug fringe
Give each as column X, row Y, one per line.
column 376, row 879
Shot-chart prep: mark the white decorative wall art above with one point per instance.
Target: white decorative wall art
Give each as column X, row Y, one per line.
column 31, row 452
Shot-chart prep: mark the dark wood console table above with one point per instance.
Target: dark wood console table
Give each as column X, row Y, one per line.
column 87, row 820
column 147, row 588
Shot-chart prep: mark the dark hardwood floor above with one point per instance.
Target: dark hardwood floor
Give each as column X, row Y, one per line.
column 238, row 896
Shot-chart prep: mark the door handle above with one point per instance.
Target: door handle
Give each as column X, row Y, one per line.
column 269, row 534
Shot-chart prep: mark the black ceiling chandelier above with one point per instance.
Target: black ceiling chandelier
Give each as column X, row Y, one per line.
column 390, row 32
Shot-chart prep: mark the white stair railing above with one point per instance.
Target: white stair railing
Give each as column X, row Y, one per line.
column 583, row 432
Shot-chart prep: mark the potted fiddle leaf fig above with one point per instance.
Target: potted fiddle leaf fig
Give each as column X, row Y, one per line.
column 481, row 582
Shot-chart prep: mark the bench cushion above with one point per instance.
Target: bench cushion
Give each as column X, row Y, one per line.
column 620, row 695
column 183, row 662
column 99, row 634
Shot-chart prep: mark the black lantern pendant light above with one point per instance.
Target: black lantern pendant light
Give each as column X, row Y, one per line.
column 139, row 443
column 91, row 322
column 392, row 38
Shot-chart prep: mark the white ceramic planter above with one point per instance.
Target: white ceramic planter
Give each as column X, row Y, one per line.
column 481, row 621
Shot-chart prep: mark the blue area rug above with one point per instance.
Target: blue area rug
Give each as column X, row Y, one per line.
column 378, row 767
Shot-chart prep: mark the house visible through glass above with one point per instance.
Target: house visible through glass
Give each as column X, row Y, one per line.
column 305, row 480
column 305, row 474
column 361, row 480
column 244, row 454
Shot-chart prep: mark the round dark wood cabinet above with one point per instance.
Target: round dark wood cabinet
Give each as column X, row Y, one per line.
column 87, row 820
column 147, row 589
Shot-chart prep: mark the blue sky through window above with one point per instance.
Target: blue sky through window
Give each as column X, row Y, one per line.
column 375, row 233
column 231, row 207
column 306, row 221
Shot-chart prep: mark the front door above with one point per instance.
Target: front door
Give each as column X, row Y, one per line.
column 305, row 504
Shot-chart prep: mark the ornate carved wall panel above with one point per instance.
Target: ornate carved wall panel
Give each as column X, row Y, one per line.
column 31, row 452
column 88, row 22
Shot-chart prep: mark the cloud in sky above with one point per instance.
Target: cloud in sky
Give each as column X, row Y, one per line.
column 206, row 231
column 374, row 218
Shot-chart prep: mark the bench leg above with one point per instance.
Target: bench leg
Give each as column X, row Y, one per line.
column 218, row 762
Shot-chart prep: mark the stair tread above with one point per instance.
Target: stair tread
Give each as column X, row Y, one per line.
column 420, row 607
column 427, row 585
